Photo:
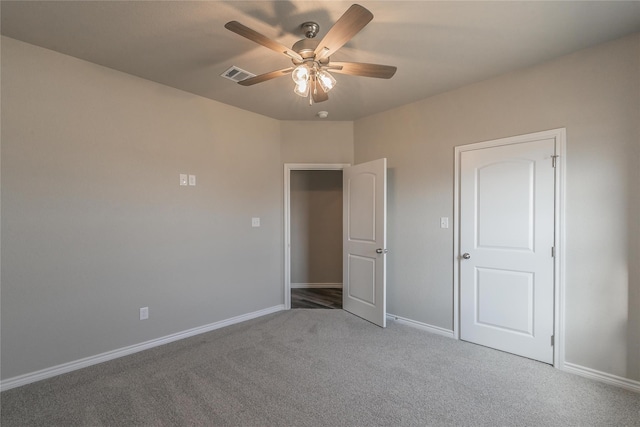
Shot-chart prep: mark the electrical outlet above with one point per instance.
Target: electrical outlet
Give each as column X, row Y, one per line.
column 144, row 313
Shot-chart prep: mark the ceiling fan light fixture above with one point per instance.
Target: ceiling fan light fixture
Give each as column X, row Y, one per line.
column 301, row 74
column 302, row 89
column 326, row 80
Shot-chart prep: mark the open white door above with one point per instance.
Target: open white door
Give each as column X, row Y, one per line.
column 364, row 239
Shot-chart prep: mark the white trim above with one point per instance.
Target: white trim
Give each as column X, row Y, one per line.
column 423, row 326
column 560, row 238
column 593, row 374
column 316, row 286
column 560, row 136
column 456, row 242
column 288, row 167
column 64, row 368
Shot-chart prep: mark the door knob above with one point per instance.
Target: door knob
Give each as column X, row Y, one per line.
column 466, row 255
column 381, row 251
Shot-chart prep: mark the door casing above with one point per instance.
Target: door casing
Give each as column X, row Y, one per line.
column 559, row 237
column 288, row 167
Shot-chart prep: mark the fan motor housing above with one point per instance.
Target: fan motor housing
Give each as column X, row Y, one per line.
column 306, row 48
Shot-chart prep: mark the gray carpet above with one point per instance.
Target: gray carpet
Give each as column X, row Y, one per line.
column 319, row 368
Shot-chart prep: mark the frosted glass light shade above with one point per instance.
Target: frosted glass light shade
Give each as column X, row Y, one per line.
column 326, row 80
column 302, row 89
column 300, row 74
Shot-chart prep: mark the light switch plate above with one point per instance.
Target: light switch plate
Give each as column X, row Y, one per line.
column 192, row 180
column 183, row 179
column 255, row 222
column 144, row 313
column 444, row 222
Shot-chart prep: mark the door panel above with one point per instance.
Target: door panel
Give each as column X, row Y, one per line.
column 364, row 232
column 362, row 273
column 507, row 229
column 362, row 203
column 505, row 299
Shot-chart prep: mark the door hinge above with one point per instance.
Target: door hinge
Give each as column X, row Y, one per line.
column 553, row 251
column 554, row 160
column 553, row 341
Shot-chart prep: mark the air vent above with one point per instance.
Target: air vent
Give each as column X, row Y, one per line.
column 237, row 74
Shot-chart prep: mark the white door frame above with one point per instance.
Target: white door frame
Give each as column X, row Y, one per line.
column 559, row 219
column 288, row 167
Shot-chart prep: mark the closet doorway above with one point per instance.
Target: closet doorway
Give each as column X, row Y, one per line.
column 313, row 235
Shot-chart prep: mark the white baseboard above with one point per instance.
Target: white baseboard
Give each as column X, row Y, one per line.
column 316, row 285
column 602, row 376
column 424, row 326
column 125, row 351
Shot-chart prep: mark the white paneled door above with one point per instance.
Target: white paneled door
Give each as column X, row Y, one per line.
column 506, row 247
column 364, row 238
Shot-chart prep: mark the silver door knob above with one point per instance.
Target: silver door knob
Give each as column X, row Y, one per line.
column 381, row 251
column 466, row 255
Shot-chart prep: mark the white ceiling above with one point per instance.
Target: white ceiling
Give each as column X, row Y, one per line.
column 437, row 46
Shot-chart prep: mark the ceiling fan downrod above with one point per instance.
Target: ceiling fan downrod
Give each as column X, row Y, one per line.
column 310, row 29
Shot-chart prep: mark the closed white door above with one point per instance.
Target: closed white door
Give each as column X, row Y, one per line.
column 506, row 248
column 364, row 237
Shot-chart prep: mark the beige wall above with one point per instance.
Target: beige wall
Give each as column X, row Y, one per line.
column 95, row 225
column 317, row 142
column 595, row 94
column 316, row 227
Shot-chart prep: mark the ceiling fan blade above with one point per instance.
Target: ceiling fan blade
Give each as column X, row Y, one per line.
column 349, row 24
column 265, row 41
column 318, row 93
column 264, row 77
column 362, row 69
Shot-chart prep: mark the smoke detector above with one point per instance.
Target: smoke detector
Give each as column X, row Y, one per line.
column 322, row 114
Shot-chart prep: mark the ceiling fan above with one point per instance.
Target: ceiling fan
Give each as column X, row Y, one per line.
column 311, row 57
